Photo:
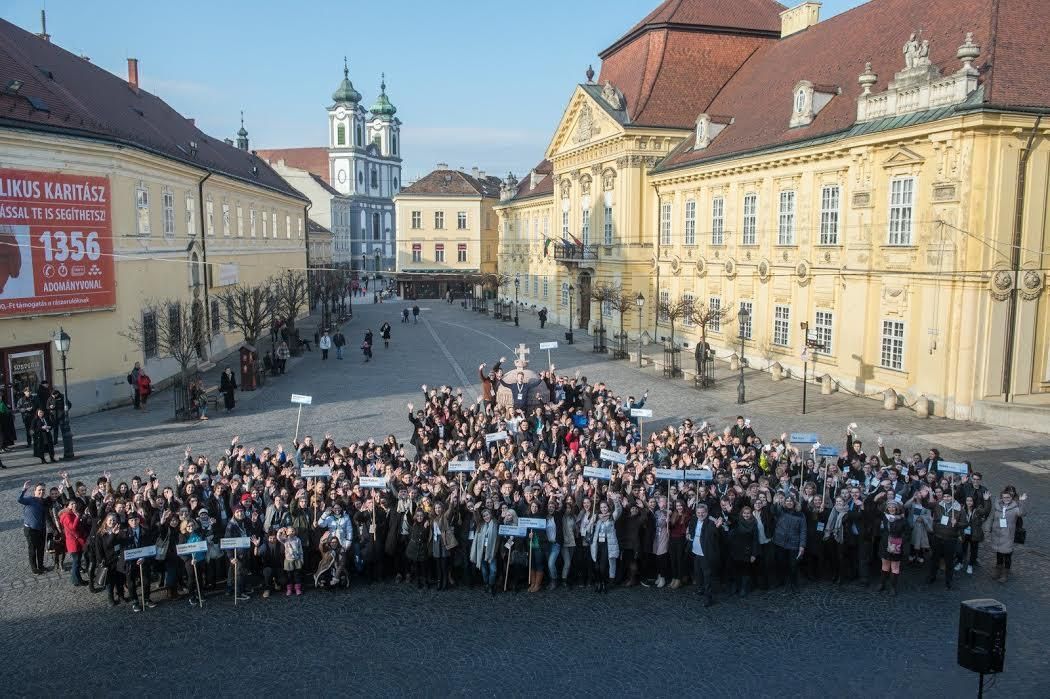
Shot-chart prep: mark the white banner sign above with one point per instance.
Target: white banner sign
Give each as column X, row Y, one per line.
column 235, row 542
column 641, row 412
column 532, row 522
column 952, row 467
column 461, row 467
column 373, row 482
column 316, row 472
column 699, row 474
column 495, row 437
column 302, row 400
column 548, row 345
column 614, row 456
column 140, row 552
column 511, row 530
column 195, row 547
column 602, row 474
column 669, row 474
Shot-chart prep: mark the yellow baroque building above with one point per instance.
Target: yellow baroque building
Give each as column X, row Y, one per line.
column 171, row 215
column 881, row 177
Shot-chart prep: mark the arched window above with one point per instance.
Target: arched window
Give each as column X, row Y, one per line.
column 393, row 144
column 340, row 135
column 359, row 136
column 375, row 177
column 195, row 270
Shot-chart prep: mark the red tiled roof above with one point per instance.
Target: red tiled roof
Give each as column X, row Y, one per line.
column 454, row 183
column 833, row 52
column 64, row 93
column 741, row 15
column 545, row 187
column 313, row 160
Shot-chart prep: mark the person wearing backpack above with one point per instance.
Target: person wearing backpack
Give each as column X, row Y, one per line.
column 133, row 381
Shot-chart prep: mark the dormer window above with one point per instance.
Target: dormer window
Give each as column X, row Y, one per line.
column 809, row 99
column 707, row 128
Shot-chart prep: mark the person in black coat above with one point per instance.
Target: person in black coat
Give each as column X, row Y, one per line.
column 702, row 543
column 43, row 437
column 138, row 534
column 384, row 332
column 743, row 549
column 228, row 388
column 111, row 547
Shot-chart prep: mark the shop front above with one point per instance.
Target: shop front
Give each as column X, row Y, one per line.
column 24, row 365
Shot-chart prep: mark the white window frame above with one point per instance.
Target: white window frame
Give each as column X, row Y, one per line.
column 209, row 208
column 891, row 355
column 439, row 252
column 564, row 225
column 461, row 220
column 782, row 325
column 745, row 328
column 168, row 201
column 191, row 215
column 240, row 221
column 665, row 223
column 786, row 218
column 546, row 287
column 830, row 197
column 253, row 222
column 824, row 331
column 288, row 226
column 273, row 220
column 902, row 211
column 564, row 293
column 439, row 220
column 417, row 254
column 687, row 320
column 714, row 304
column 142, row 209
column 417, row 220
column 585, row 226
column 461, row 252
column 750, row 219
column 718, row 221
column 608, row 224
column 689, row 235
column 665, row 299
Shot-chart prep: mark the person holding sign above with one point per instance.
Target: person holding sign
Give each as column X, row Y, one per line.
column 112, row 545
column 139, row 536
column 238, row 558
column 190, row 534
column 605, row 548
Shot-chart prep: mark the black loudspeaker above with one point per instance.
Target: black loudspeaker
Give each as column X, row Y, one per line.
column 982, row 635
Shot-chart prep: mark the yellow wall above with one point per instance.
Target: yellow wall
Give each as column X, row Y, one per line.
column 479, row 236
column 148, row 267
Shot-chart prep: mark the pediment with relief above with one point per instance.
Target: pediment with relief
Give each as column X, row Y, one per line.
column 583, row 122
column 903, row 156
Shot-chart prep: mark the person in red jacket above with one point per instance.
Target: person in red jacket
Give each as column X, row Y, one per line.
column 145, row 387
column 75, row 538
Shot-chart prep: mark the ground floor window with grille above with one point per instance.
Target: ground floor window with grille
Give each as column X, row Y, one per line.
column 565, row 293
column 216, row 317
column 665, row 299
column 781, row 325
column 715, row 307
column 823, row 331
column 149, row 334
column 892, row 345
column 546, row 286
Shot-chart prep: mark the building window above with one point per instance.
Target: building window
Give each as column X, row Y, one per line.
column 359, row 137
column 209, row 208
column 565, row 293
column 687, row 319
column 439, row 252
column 607, row 308
column 231, row 320
column 174, row 324
column 439, row 219
column 822, row 331
column 829, row 215
column 340, row 135
column 690, row 222
column 893, row 345
column 715, row 306
column 142, row 208
column 744, row 320
column 546, row 285
column 169, row 211
column 786, row 228
column 665, row 299
column 417, row 252
column 240, row 222
column 191, row 216
column 718, row 220
column 375, row 227
column 149, row 334
column 608, row 220
column 781, row 325
column 750, row 226
column 288, row 226
column 417, row 219
column 564, row 225
column 546, row 227
column 665, row 223
column 273, row 221
column 461, row 220
column 216, row 317
column 585, row 227
column 902, row 193
column 535, row 286
column 375, row 177
column 461, row 254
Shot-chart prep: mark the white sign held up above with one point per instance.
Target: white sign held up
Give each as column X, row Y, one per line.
column 373, row 482
column 300, row 400
column 194, row 547
column 140, row 552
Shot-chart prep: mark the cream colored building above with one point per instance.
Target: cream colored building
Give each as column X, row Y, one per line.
column 844, row 174
column 446, row 232
column 186, row 215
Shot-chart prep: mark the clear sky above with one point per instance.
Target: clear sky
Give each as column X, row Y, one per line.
column 474, row 82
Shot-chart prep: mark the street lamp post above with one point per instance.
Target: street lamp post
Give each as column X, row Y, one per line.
column 517, row 284
column 62, row 345
column 808, row 345
column 568, row 335
column 743, row 317
column 639, row 301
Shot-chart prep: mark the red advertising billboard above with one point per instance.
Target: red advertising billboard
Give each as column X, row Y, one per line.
column 56, row 243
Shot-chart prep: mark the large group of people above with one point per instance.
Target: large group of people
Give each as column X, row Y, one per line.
column 520, row 494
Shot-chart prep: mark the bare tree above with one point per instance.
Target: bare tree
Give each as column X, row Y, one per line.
column 603, row 294
column 673, row 312
column 291, row 293
column 174, row 328
column 621, row 302
column 250, row 309
column 704, row 316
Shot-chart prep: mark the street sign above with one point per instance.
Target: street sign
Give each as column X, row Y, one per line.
column 235, row 542
column 602, row 474
column 373, row 482
column 614, row 456
column 548, row 345
column 140, row 552
column 641, row 412
column 302, row 400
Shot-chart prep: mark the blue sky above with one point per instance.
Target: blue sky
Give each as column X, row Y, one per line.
column 475, row 83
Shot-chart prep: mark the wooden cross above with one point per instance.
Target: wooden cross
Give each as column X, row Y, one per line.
column 522, row 351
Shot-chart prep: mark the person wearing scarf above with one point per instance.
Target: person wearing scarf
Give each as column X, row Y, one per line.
column 891, row 543
column 834, row 533
column 484, row 546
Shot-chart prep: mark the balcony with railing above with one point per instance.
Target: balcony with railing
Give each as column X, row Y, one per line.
column 571, row 252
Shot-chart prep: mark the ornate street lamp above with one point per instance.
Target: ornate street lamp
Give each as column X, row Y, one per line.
column 517, row 284
column 62, row 345
column 639, row 301
column 743, row 316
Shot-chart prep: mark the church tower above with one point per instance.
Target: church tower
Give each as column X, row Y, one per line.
column 384, row 128
column 346, row 134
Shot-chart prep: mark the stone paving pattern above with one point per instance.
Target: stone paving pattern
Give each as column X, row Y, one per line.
column 393, row 640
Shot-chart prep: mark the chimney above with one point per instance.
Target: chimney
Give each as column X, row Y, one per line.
column 475, row 172
column 133, row 74
column 193, row 122
column 43, row 27
column 481, row 174
column 85, row 57
column 442, row 166
column 800, row 17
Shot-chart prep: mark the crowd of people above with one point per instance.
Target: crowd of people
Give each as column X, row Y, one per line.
column 525, row 495
column 43, row 413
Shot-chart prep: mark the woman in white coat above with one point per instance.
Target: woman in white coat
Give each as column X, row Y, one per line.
column 1000, row 528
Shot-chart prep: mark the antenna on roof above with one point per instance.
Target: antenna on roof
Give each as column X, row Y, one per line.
column 43, row 26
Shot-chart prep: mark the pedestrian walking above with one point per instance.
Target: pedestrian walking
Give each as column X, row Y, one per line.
column 366, row 346
column 543, row 317
column 384, row 332
column 339, row 340
column 133, row 381
column 325, row 344
column 283, row 353
column 26, row 407
column 145, row 388
column 228, row 388
column 404, row 315
column 415, row 313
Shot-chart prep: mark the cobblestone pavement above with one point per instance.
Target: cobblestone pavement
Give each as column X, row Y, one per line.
column 392, row 640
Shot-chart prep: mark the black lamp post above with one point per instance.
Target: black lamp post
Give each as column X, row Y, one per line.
column 62, row 345
column 517, row 283
column 639, row 301
column 743, row 316
column 568, row 335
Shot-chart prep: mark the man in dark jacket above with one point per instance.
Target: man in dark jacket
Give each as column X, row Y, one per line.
column 702, row 536
column 34, row 525
column 947, row 527
column 789, row 541
column 138, row 573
